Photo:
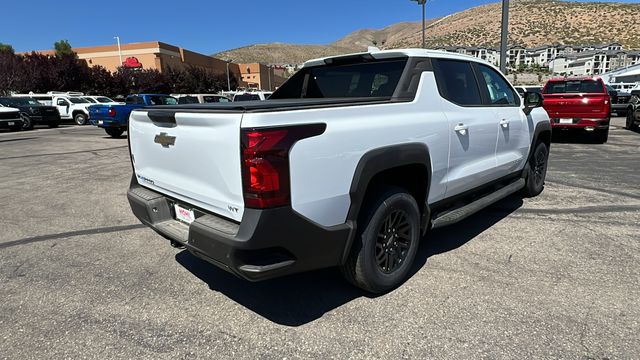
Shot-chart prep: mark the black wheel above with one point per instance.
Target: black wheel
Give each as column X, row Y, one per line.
column 27, row 124
column 630, row 124
column 601, row 136
column 115, row 133
column 537, row 171
column 386, row 242
column 80, row 119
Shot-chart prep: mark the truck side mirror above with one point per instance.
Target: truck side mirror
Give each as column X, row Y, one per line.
column 532, row 100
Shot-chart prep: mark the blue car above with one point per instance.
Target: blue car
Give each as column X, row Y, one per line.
column 114, row 118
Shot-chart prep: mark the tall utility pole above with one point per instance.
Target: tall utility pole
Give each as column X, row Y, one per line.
column 119, row 49
column 424, row 20
column 504, row 37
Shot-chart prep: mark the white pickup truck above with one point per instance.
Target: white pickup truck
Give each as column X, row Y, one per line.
column 72, row 108
column 348, row 164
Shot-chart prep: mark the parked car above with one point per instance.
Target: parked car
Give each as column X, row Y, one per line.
column 579, row 103
column 10, row 118
column 633, row 111
column 200, row 98
column 252, row 96
column 32, row 112
column 100, row 100
column 349, row 163
column 620, row 102
column 114, row 118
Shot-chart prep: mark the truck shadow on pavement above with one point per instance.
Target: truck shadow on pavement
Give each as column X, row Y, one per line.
column 302, row 298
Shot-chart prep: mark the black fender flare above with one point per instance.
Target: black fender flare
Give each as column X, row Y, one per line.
column 541, row 127
column 374, row 162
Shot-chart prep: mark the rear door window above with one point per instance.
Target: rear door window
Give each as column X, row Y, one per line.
column 457, row 82
column 574, row 86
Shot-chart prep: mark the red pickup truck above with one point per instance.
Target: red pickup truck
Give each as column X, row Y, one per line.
column 581, row 103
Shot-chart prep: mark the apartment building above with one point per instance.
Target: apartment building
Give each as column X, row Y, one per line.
column 560, row 59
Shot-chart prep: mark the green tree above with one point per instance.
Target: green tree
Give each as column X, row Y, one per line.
column 6, row 48
column 63, row 48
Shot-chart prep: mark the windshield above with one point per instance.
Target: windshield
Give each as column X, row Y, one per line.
column 363, row 79
column 162, row 100
column 104, row 99
column 19, row 101
column 77, row 100
column 90, row 100
column 574, row 86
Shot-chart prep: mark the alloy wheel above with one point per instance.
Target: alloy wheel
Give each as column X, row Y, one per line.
column 393, row 242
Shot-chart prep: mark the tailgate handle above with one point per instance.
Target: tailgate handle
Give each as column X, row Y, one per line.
column 163, row 118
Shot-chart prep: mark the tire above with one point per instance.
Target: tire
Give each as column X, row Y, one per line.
column 27, row 123
column 114, row 133
column 630, row 123
column 537, row 171
column 80, row 119
column 601, row 136
column 386, row 242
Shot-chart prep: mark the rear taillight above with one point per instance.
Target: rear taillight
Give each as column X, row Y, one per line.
column 265, row 163
column 112, row 112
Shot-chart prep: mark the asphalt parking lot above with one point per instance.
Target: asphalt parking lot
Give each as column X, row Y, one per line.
column 556, row 276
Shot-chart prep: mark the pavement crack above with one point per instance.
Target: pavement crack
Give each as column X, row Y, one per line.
column 605, row 191
column 69, row 234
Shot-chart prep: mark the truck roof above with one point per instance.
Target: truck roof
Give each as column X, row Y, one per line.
column 573, row 78
column 382, row 54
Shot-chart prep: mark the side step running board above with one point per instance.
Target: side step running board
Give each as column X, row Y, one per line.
column 456, row 215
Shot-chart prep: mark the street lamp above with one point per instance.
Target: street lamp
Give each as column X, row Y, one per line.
column 119, row 49
column 503, row 36
column 423, row 2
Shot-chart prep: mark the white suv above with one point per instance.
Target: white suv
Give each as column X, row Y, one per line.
column 348, row 164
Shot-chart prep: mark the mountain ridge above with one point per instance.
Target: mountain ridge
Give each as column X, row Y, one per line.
column 531, row 23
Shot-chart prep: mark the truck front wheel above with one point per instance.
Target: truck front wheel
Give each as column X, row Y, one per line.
column 537, row 171
column 114, row 133
column 80, row 119
column 386, row 242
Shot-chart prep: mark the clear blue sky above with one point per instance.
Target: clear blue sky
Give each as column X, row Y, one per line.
column 206, row 26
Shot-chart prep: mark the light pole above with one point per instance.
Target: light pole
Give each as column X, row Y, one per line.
column 424, row 24
column 503, row 36
column 228, row 77
column 119, row 49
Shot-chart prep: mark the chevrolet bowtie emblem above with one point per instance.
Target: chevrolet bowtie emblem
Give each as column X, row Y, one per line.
column 164, row 140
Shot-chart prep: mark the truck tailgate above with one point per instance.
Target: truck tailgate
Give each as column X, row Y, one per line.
column 193, row 157
column 576, row 105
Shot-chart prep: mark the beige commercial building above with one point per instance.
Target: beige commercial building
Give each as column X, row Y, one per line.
column 260, row 76
column 150, row 55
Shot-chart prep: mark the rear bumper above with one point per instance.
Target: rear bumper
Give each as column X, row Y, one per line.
column 265, row 244
column 107, row 123
column 581, row 124
column 10, row 123
column 45, row 119
column 619, row 107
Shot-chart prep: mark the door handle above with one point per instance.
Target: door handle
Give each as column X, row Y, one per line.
column 504, row 123
column 461, row 128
